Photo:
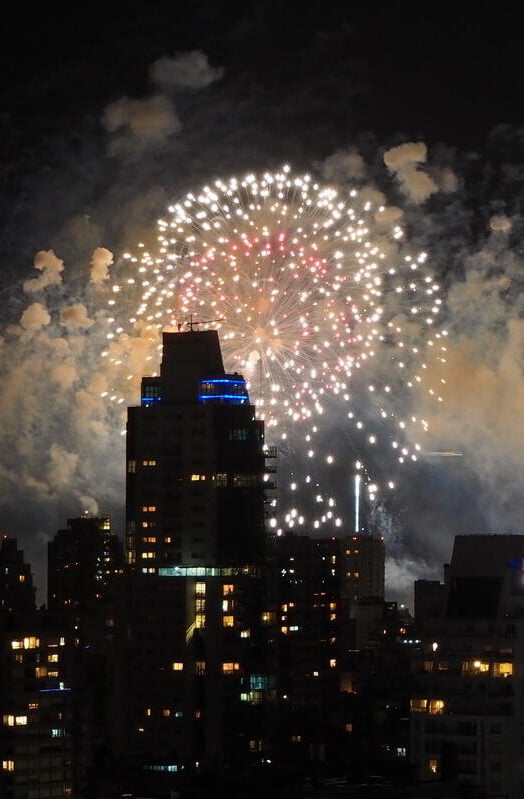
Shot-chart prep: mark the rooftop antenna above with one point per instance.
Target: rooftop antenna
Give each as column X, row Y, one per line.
column 192, row 324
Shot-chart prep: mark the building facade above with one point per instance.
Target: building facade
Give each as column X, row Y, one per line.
column 467, row 711
column 195, row 642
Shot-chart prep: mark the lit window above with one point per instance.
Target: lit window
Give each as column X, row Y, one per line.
column 52, row 674
column 315, row 674
column 245, row 634
column 418, row 705
column 8, row 765
column 200, row 620
column 178, row 666
column 148, row 711
column 57, row 732
column 52, row 658
column 166, row 712
column 255, row 746
column 228, row 621
column 283, row 630
column 200, row 667
column 20, row 721
column 148, row 508
column 41, row 671
column 433, row 766
column 30, row 642
column 147, row 555
column 333, row 663
column 436, row 706
column 149, row 463
column 502, row 669
column 200, row 605
column 349, row 727
column 296, row 739
column 230, row 668
column 225, row 605
column 268, row 618
column 200, row 588
column 197, row 477
column 21, row 578
column 149, row 540
column 475, row 666
column 332, row 605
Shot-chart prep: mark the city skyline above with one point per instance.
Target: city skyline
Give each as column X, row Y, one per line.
column 91, row 167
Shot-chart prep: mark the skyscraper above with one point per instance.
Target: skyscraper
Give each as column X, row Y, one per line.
column 195, row 541
column 195, row 463
column 17, row 591
column 467, row 710
column 83, row 560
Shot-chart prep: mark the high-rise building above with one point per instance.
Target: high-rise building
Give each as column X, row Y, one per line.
column 329, row 608
column 197, row 676
column 43, row 743
column 17, row 591
column 82, row 562
column 467, row 705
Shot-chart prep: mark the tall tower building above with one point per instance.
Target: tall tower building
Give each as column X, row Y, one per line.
column 467, row 706
column 195, row 541
column 195, row 463
column 82, row 561
column 17, row 591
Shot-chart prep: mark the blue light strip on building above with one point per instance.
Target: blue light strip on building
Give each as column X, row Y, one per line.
column 234, row 397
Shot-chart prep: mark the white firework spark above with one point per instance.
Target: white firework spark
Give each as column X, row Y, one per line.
column 313, row 301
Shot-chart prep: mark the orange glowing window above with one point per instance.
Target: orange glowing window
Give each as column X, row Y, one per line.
column 230, row 668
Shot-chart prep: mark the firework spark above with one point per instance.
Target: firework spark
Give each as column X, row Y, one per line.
column 315, row 303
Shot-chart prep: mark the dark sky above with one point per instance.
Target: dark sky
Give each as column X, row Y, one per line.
column 95, row 144
column 444, row 73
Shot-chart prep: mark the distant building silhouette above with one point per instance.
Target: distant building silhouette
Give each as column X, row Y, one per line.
column 17, row 591
column 82, row 562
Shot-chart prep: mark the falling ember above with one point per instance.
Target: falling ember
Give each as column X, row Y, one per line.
column 308, row 297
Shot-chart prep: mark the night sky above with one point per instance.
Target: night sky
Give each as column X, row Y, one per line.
column 98, row 137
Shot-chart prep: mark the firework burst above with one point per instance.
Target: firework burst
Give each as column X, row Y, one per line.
column 316, row 303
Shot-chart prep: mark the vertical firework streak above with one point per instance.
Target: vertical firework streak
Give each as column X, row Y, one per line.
column 315, row 303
